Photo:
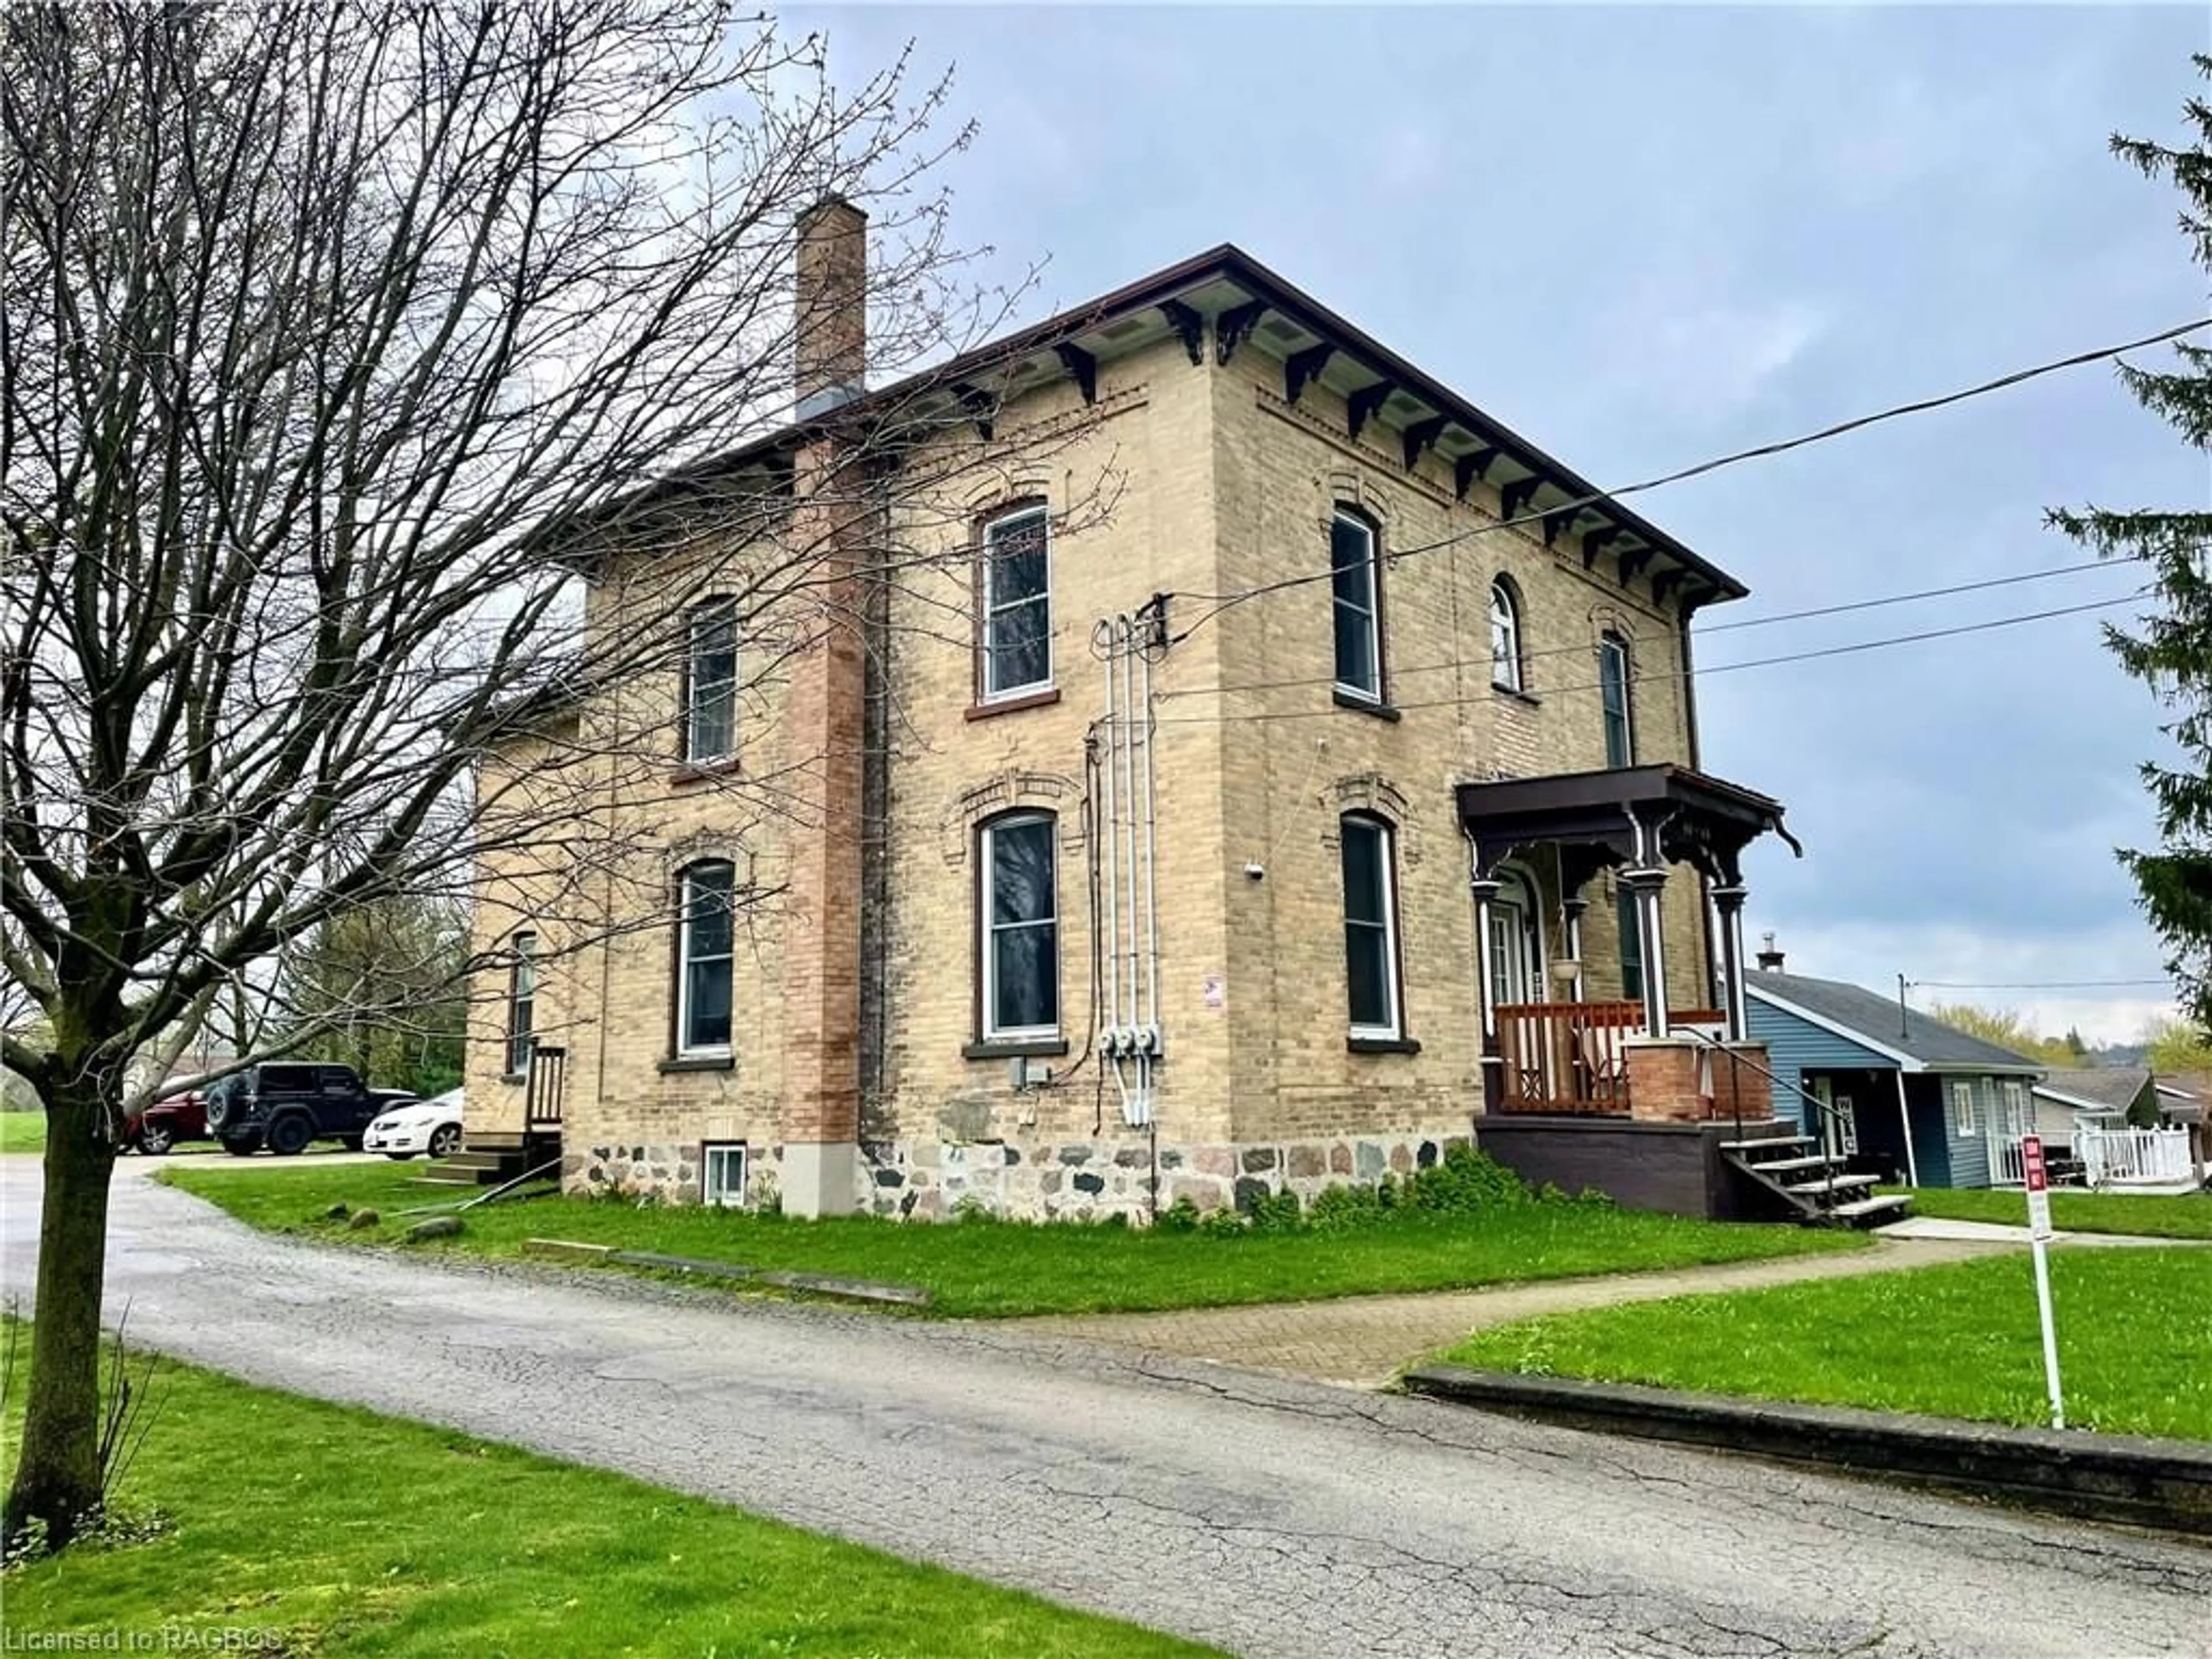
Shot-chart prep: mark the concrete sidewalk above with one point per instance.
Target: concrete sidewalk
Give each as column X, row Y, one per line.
column 1366, row 1341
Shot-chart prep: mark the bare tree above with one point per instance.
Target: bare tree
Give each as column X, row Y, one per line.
column 349, row 357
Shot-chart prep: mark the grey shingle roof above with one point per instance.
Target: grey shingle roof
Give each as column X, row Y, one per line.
column 2114, row 1087
column 1873, row 1017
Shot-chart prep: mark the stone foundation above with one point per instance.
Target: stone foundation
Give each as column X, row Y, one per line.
column 1039, row 1181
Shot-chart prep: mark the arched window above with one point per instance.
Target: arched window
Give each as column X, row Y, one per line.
column 705, row 958
column 522, row 1002
column 1018, row 953
column 710, row 682
column 1612, row 677
column 1357, row 591
column 1505, row 637
column 1370, row 928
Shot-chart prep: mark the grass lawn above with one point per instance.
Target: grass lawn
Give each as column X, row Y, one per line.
column 2186, row 1217
column 23, row 1132
column 997, row 1269
column 2135, row 1331
column 336, row 1532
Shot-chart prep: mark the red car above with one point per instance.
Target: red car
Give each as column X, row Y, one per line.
column 156, row 1128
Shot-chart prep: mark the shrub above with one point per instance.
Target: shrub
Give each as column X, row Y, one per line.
column 1225, row 1222
column 1179, row 1217
column 1339, row 1207
column 1464, row 1182
column 1277, row 1212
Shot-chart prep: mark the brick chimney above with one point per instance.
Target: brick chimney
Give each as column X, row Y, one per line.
column 831, row 306
column 1769, row 958
column 826, row 720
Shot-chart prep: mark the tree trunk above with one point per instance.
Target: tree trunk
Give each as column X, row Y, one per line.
column 57, row 1481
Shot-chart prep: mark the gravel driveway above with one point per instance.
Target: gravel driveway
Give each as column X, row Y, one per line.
column 1268, row 1515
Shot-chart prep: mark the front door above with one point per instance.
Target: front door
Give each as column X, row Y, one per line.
column 2008, row 1123
column 1838, row 1127
column 1513, row 964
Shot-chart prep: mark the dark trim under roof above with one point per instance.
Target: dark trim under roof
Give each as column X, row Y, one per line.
column 1218, row 303
column 1620, row 816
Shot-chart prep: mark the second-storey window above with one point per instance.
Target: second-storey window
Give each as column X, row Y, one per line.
column 1017, row 605
column 1613, row 695
column 705, row 942
column 521, row 1003
column 1504, row 639
column 1356, row 607
column 1370, row 928
column 710, row 682
column 1020, row 944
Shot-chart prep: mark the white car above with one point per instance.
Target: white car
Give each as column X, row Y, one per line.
column 432, row 1126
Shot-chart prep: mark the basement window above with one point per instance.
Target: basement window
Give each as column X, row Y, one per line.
column 722, row 1174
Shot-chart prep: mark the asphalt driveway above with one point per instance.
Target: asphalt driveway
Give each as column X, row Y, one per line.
column 1268, row 1515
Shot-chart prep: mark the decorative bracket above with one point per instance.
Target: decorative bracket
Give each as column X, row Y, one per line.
column 1665, row 583
column 1632, row 560
column 1083, row 365
column 1517, row 494
column 979, row 406
column 1231, row 328
column 1558, row 524
column 1302, row 368
column 1420, row 435
column 1469, row 467
column 1365, row 401
column 1189, row 326
column 1594, row 542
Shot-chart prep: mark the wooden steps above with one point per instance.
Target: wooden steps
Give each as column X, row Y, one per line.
column 1829, row 1198
column 493, row 1159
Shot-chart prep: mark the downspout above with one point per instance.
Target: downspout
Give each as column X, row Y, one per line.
column 1697, row 764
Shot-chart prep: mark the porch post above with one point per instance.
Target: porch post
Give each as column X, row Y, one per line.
column 1646, row 885
column 1905, row 1122
column 1484, row 889
column 1571, row 909
column 1728, row 900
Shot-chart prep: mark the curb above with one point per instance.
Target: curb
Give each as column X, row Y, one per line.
column 2134, row 1479
column 850, row 1290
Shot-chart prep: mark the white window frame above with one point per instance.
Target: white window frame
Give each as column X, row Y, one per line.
column 720, row 1154
column 1504, row 638
column 708, row 613
column 2013, row 1094
column 994, row 608
column 1372, row 610
column 685, row 1048
column 1615, row 646
column 986, row 921
column 1387, row 865
column 521, row 995
column 1964, row 1124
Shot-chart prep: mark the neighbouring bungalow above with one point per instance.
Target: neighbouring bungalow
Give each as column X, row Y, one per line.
column 2122, row 1126
column 1886, row 1089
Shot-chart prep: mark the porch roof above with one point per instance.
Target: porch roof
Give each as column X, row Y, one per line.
column 1623, row 815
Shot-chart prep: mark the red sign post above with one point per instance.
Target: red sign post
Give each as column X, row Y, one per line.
column 2038, row 1182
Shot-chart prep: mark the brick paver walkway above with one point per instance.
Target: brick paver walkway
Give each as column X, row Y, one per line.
column 1366, row 1341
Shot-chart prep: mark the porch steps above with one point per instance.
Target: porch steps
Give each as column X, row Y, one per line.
column 492, row 1160
column 1831, row 1198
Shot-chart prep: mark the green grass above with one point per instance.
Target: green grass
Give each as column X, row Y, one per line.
column 2135, row 1333
column 2186, row 1217
column 341, row 1533
column 997, row 1269
column 23, row 1132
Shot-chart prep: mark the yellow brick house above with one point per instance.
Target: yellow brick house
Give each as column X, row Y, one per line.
column 1231, row 760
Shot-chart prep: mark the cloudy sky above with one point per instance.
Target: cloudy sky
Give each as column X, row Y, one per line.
column 1647, row 236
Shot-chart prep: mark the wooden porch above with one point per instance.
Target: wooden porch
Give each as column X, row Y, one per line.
column 1570, row 1059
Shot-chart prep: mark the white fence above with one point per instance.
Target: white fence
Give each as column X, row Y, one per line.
column 2123, row 1156
column 2007, row 1167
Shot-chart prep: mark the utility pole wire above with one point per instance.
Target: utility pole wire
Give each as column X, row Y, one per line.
column 1222, row 602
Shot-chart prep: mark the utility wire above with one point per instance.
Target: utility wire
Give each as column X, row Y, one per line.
column 2025, row 984
column 1677, row 674
column 1584, row 647
column 1221, row 602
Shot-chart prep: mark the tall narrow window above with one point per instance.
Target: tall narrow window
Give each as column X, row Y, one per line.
column 521, row 1003
column 1504, row 639
column 1631, row 946
column 1370, row 928
column 1613, row 694
column 1021, row 930
column 1017, row 605
column 1962, row 1107
column 710, row 682
column 1356, row 607
column 704, row 951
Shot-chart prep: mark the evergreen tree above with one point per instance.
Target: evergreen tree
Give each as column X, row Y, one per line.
column 2172, row 651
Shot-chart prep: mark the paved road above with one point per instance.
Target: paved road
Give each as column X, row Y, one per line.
column 1270, row 1517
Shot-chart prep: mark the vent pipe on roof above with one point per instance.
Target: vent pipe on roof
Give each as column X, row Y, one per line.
column 830, row 306
column 1769, row 958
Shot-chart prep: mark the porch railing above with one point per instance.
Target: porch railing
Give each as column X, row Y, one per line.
column 2008, row 1167
column 2116, row 1156
column 1571, row 1058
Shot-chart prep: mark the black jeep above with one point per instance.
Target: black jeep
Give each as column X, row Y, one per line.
column 284, row 1106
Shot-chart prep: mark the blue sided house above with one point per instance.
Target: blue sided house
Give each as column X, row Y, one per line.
column 1910, row 1098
